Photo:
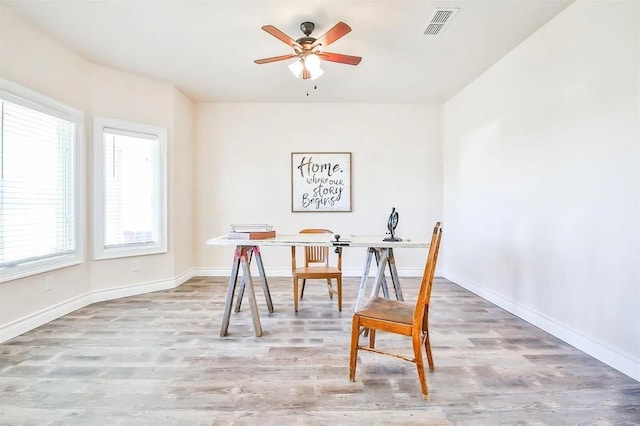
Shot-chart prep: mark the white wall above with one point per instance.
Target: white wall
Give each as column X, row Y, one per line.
column 36, row 61
column 542, row 181
column 181, row 192
column 243, row 173
column 33, row 60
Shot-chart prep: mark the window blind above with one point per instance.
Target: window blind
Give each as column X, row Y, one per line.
column 130, row 197
column 37, row 185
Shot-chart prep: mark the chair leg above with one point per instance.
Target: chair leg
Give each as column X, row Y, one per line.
column 302, row 291
column 372, row 338
column 330, row 288
column 295, row 294
column 340, row 294
column 417, row 352
column 427, row 346
column 353, row 357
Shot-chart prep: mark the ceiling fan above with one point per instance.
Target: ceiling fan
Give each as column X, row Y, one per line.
column 309, row 50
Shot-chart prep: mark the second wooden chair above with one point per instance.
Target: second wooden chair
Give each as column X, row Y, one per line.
column 316, row 266
column 400, row 318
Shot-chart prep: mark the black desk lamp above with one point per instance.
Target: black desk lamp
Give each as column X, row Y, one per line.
column 392, row 223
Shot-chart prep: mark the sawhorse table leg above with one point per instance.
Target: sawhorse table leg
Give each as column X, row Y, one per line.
column 242, row 259
column 384, row 256
column 263, row 278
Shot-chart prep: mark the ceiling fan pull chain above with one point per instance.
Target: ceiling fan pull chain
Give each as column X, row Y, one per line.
column 315, row 87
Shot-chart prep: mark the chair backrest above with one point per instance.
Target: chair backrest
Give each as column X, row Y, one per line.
column 421, row 311
column 316, row 254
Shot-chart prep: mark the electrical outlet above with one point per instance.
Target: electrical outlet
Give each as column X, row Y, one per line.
column 48, row 283
column 135, row 265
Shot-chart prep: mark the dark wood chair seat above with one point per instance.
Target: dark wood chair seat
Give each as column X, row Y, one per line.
column 392, row 311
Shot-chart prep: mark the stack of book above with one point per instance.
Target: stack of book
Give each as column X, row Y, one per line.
column 251, row 232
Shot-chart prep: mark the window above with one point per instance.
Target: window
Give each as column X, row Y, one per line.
column 130, row 189
column 39, row 184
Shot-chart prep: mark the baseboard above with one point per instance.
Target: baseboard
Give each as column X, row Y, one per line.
column 598, row 350
column 44, row 316
column 35, row 320
column 141, row 288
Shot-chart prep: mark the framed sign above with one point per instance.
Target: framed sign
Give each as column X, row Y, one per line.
column 320, row 181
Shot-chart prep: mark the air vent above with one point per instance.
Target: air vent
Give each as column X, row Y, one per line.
column 438, row 21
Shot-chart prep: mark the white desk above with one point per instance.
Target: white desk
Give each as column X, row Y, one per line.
column 246, row 249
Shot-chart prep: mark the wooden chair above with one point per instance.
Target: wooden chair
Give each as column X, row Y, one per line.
column 316, row 266
column 400, row 318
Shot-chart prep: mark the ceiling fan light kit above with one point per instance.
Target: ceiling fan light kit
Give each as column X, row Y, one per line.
column 309, row 51
column 310, row 63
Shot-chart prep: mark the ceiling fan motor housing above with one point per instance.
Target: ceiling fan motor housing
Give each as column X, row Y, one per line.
column 307, row 28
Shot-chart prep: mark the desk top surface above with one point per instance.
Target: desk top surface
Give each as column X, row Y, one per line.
column 322, row 240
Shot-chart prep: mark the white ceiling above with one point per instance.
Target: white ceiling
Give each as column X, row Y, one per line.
column 207, row 48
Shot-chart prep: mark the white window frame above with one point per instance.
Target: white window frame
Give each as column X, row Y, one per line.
column 28, row 98
column 100, row 251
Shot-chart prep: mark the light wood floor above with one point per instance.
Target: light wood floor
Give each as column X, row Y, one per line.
column 157, row 359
